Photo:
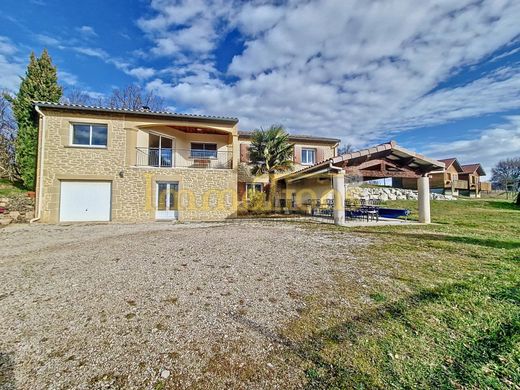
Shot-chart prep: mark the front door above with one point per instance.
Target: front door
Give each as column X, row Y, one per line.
column 166, row 202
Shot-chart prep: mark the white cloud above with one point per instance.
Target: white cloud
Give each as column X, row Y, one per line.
column 137, row 72
column 48, row 40
column 487, row 146
column 7, row 47
column 87, row 31
column 11, row 66
column 11, row 70
column 186, row 26
column 254, row 19
column 92, row 52
column 67, row 78
column 496, row 92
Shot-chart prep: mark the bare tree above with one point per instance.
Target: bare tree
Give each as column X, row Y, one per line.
column 8, row 167
column 348, row 148
column 506, row 175
column 77, row 96
column 134, row 97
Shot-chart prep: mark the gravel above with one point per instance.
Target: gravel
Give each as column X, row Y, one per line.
column 157, row 305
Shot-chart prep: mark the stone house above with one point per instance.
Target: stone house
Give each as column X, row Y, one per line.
column 103, row 164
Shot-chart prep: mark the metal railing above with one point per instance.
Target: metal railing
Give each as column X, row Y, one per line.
column 184, row 158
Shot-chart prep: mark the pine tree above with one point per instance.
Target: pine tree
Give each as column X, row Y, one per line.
column 39, row 84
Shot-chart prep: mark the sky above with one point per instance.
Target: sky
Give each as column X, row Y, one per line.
column 439, row 77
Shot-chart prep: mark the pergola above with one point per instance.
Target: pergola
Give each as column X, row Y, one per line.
column 381, row 161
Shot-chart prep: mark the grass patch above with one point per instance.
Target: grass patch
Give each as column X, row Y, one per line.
column 446, row 314
column 9, row 189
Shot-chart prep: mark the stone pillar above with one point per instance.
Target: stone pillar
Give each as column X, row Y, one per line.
column 338, row 185
column 423, row 186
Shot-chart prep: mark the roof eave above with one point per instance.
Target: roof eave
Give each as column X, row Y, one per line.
column 156, row 114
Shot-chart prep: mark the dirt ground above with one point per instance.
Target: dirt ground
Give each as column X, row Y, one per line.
column 158, row 305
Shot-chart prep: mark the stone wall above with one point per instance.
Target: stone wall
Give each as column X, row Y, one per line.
column 16, row 209
column 204, row 194
column 387, row 193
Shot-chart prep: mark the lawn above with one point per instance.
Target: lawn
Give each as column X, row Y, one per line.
column 443, row 313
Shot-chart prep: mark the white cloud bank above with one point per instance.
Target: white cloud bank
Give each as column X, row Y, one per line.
column 357, row 70
column 487, row 146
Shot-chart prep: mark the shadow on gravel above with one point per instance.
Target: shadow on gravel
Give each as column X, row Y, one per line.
column 7, row 381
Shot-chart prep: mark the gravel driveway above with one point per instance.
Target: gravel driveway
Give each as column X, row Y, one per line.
column 157, row 305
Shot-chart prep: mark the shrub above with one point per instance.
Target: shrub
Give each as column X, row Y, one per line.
column 256, row 202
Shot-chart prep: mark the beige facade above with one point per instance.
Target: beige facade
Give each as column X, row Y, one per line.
column 204, row 193
column 324, row 149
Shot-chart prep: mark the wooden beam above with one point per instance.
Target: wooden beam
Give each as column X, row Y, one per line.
column 385, row 173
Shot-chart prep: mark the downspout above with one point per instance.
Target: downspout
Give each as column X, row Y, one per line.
column 40, row 163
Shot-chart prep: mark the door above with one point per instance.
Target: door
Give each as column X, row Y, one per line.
column 167, row 198
column 85, row 201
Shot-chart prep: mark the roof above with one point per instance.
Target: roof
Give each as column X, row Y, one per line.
column 450, row 161
column 389, row 150
column 296, row 137
column 472, row 168
column 142, row 112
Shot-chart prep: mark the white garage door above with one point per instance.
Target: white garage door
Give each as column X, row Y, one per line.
column 85, row 201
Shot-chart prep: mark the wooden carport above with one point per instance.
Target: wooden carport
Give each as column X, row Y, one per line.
column 381, row 161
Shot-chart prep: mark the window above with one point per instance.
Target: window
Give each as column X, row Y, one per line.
column 160, row 152
column 200, row 150
column 89, row 135
column 253, row 187
column 308, row 156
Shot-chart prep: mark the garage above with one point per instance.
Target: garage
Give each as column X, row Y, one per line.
column 85, row 201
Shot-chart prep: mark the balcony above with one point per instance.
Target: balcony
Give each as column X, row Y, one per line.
column 457, row 184
column 184, row 158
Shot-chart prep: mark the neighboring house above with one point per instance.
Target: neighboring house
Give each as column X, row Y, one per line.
column 471, row 175
column 102, row 164
column 455, row 179
column 447, row 182
column 308, row 150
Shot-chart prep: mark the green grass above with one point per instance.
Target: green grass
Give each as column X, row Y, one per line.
column 8, row 188
column 445, row 314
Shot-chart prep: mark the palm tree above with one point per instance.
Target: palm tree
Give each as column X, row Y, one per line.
column 270, row 152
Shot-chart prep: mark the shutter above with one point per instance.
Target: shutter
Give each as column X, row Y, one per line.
column 241, row 191
column 297, row 154
column 244, row 153
column 320, row 154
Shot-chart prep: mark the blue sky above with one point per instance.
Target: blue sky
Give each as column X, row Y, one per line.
column 441, row 77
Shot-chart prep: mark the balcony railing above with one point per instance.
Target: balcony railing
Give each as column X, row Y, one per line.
column 456, row 184
column 184, row 158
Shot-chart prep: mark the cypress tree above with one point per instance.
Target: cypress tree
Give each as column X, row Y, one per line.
column 39, row 84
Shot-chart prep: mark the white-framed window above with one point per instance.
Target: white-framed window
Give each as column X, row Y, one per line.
column 203, row 150
column 308, row 156
column 93, row 135
column 253, row 187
